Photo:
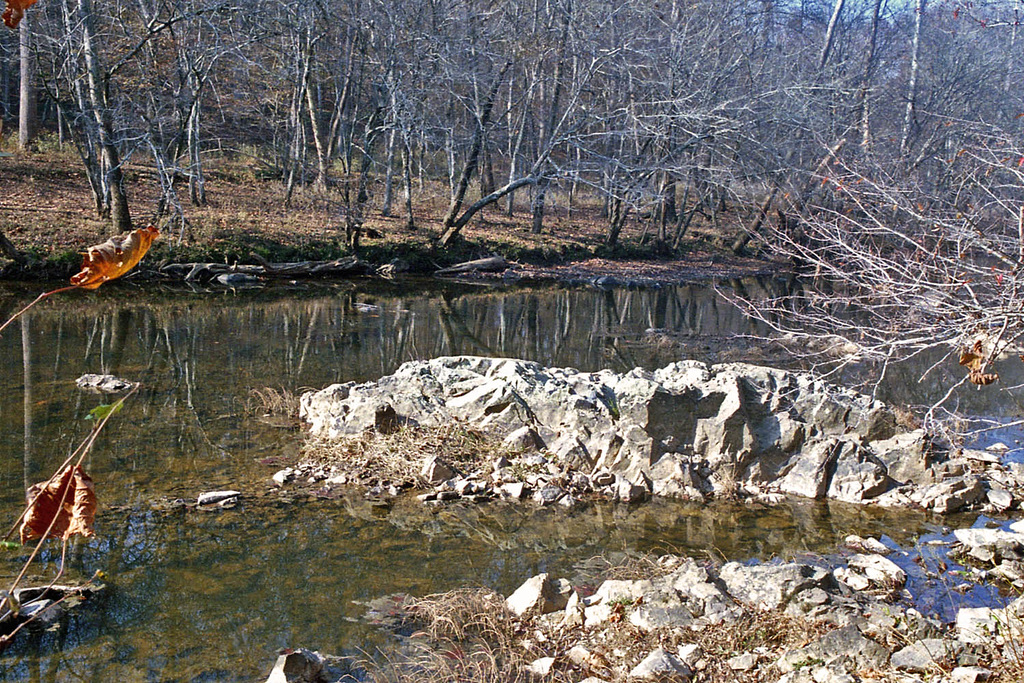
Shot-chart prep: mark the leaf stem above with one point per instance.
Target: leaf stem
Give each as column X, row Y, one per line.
column 34, row 302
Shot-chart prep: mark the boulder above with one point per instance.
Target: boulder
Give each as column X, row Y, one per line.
column 991, row 545
column 436, row 471
column 663, row 666
column 930, row 654
column 541, row 594
column 107, row 384
column 877, row 571
column 215, row 497
column 767, row 586
column 686, row 430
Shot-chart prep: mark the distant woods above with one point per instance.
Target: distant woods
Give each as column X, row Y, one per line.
column 658, row 111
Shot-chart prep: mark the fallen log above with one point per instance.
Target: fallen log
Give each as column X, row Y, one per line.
column 204, row 272
column 492, row 264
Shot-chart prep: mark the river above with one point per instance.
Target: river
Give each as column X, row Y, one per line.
column 210, row 596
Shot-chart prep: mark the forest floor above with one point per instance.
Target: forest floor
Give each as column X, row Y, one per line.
column 47, row 213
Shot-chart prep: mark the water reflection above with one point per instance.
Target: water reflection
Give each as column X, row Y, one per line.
column 209, row 596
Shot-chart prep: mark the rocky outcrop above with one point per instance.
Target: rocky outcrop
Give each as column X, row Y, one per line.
column 686, row 430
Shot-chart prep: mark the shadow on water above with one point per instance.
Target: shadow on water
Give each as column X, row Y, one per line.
column 210, row 595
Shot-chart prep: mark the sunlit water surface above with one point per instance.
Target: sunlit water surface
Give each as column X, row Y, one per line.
column 211, row 596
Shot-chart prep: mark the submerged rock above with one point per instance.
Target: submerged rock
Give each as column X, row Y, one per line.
column 108, row 384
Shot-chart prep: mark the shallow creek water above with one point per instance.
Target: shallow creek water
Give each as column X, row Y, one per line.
column 210, row 596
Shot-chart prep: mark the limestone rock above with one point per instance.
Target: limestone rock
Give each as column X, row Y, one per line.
column 215, row 497
column 969, row 674
column 880, row 572
column 540, row 593
column 685, row 430
column 523, row 439
column 991, row 545
column 107, row 384
column 435, row 471
column 542, row 667
column 662, row 665
column 978, row 624
column 768, row 586
column 930, row 654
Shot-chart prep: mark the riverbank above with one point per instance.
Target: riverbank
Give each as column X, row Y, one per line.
column 869, row 611
column 48, row 219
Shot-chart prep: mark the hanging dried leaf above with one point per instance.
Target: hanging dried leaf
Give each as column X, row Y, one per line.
column 114, row 258
column 64, row 505
column 15, row 11
column 982, row 378
column 974, row 361
column 83, row 509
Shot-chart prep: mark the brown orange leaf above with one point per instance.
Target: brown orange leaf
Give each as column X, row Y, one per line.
column 971, row 360
column 114, row 258
column 15, row 11
column 60, row 507
column 83, row 509
column 982, row 378
column 974, row 361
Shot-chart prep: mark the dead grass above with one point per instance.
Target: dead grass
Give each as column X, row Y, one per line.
column 374, row 458
column 270, row 401
column 468, row 636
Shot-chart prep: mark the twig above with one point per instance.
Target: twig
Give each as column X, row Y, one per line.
column 37, row 300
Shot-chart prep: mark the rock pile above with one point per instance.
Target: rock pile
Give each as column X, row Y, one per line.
column 687, row 430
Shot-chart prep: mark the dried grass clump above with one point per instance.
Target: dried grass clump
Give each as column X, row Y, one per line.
column 771, row 629
column 397, row 457
column 459, row 614
column 630, row 566
column 268, row 401
column 467, row 636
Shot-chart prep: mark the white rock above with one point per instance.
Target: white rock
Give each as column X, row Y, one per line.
column 282, row 477
column 969, row 674
column 660, row 663
column 978, row 624
column 540, row 593
column 542, row 667
column 213, row 497
column 852, row 579
column 690, row 653
column 879, row 570
column 867, row 545
column 743, row 662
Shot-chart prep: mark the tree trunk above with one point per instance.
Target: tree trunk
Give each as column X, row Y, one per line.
column 319, row 136
column 28, row 120
column 98, row 89
column 482, row 121
column 830, row 34
column 539, row 198
column 389, row 175
column 863, row 106
column 915, row 66
column 410, row 223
